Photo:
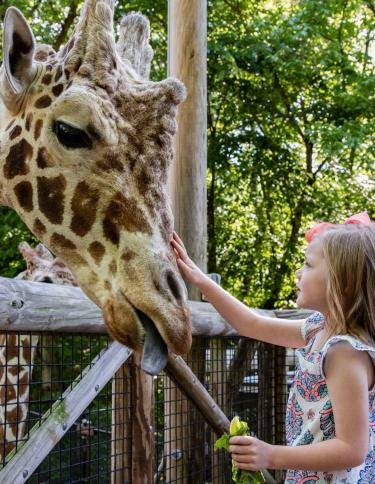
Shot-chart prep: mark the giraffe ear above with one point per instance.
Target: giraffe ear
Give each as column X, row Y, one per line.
column 18, row 68
column 43, row 252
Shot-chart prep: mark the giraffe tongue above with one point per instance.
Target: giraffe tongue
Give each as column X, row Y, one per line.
column 155, row 351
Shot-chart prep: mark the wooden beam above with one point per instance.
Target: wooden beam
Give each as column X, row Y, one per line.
column 188, row 383
column 57, row 421
column 35, row 306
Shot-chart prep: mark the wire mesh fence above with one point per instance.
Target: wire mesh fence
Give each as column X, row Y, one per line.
column 245, row 377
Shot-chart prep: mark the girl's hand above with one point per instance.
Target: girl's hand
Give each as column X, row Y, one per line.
column 250, row 453
column 187, row 267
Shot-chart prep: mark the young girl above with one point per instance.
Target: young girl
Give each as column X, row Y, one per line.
column 330, row 422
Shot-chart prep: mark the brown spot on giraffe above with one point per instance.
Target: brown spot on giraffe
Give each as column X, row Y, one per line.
column 58, row 89
column 16, row 161
column 7, row 392
column 29, row 120
column 12, row 419
column 47, row 78
column 107, row 285
column 58, row 73
column 24, row 380
column 38, row 128
column 43, row 102
column 111, row 161
column 97, row 251
column 43, row 158
column 26, row 352
column 124, row 214
column 11, row 346
column 51, row 197
column 128, row 256
column 84, row 206
column 24, row 194
column 60, row 241
column 39, row 228
column 16, row 131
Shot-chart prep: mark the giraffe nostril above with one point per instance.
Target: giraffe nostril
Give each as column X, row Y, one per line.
column 174, row 285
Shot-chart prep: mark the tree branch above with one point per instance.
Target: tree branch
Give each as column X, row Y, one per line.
column 66, row 25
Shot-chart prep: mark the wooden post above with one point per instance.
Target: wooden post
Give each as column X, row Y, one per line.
column 187, row 60
column 132, row 425
column 121, row 453
column 142, row 425
column 218, row 360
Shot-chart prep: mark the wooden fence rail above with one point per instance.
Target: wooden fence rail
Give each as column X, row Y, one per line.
column 35, row 306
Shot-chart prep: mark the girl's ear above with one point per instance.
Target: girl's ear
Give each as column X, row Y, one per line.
column 18, row 68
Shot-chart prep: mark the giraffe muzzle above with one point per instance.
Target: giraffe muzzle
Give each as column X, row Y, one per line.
column 144, row 331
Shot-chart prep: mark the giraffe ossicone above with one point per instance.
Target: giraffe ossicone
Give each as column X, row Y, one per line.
column 85, row 150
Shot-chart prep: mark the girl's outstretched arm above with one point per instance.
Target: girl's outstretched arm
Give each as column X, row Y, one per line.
column 349, row 375
column 282, row 332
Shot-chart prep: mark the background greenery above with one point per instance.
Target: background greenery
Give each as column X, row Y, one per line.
column 290, row 128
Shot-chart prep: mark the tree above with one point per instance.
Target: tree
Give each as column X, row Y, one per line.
column 291, row 109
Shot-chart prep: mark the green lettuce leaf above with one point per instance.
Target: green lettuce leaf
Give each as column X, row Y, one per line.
column 239, row 476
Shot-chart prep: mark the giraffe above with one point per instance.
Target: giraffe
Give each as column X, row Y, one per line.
column 17, row 352
column 85, row 151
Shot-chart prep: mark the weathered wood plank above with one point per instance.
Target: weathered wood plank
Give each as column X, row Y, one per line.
column 63, row 414
column 34, row 306
column 26, row 305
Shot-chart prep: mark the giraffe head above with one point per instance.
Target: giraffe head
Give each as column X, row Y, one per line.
column 85, row 149
column 42, row 266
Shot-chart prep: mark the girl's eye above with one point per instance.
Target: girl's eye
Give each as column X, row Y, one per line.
column 71, row 137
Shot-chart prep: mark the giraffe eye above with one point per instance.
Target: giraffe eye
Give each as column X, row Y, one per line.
column 71, row 137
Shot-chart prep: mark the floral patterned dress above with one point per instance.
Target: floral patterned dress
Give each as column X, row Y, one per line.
column 309, row 416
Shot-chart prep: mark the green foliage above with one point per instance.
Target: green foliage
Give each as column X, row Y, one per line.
column 12, row 232
column 291, row 110
column 238, row 428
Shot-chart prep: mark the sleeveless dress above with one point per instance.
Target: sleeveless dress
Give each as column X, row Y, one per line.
column 309, row 416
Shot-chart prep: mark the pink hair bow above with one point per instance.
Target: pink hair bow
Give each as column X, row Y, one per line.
column 358, row 218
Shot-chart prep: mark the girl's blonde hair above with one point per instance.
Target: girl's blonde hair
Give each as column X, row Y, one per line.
column 349, row 251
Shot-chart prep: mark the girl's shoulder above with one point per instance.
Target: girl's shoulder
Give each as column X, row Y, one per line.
column 355, row 343
column 311, row 326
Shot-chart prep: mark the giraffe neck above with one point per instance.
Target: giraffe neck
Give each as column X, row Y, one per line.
column 17, row 353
